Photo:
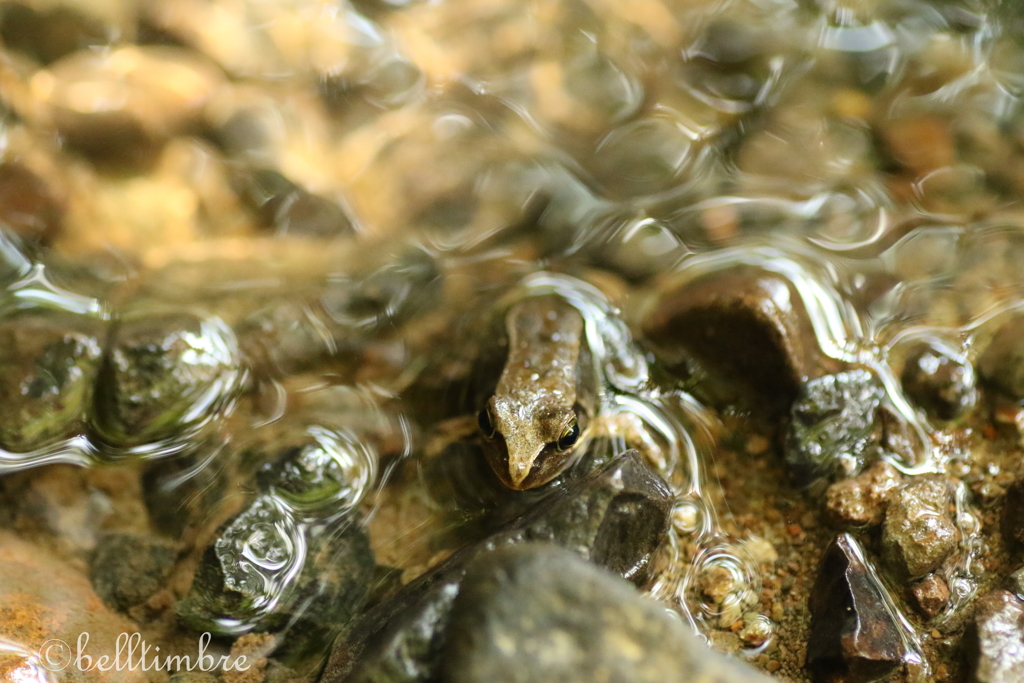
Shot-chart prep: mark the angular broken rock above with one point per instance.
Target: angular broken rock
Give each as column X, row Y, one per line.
column 535, row 612
column 995, row 641
column 615, row 517
column 918, row 533
column 832, row 424
column 854, row 636
column 930, row 595
column 861, row 501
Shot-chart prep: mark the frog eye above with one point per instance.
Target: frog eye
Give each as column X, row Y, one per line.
column 483, row 419
column 569, row 437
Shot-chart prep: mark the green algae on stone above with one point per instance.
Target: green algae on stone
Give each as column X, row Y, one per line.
column 48, row 366
column 165, row 373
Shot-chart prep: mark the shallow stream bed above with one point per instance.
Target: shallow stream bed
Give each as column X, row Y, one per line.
column 489, row 340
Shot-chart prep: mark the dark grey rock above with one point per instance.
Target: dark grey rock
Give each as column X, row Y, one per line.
column 995, row 641
column 288, row 209
column 536, row 612
column 1001, row 364
column 615, row 517
column 853, row 636
column 939, row 382
column 164, row 373
column 832, row 424
column 263, row 570
column 918, row 533
column 126, row 569
column 388, row 296
column 49, row 361
column 1013, row 514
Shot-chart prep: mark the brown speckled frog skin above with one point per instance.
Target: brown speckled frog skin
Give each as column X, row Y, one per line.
column 536, row 424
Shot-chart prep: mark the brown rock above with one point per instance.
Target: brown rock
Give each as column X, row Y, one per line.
column 930, row 595
column 27, row 205
column 748, row 323
column 124, row 103
column 853, row 637
column 995, row 641
column 861, row 500
column 43, row 599
column 920, row 144
column 918, row 534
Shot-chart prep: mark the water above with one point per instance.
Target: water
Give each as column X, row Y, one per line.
column 467, row 154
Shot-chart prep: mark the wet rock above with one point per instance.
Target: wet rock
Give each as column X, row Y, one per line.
column 287, row 209
column 123, row 104
column 47, row 34
column 165, row 373
column 126, row 569
column 853, row 635
column 918, row 533
column 939, row 382
column 28, row 207
column 1013, row 514
column 995, row 641
column 535, row 612
column 263, row 569
column 321, row 473
column 1001, row 364
column 747, row 324
column 930, row 595
column 615, row 517
column 177, row 491
column 406, row 286
column 49, row 361
column 861, row 501
column 832, row 425
column 44, row 599
column 193, row 677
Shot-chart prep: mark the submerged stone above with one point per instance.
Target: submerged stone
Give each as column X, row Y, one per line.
column 288, row 209
column 995, row 641
column 49, row 361
column 930, row 595
column 536, row 612
column 861, row 501
column 123, row 104
column 126, row 569
column 1013, row 514
column 853, row 635
column 918, row 533
column 832, row 423
column 615, row 517
column 1001, row 364
column 263, row 569
column 52, row 32
column 939, row 382
column 165, row 374
column 748, row 325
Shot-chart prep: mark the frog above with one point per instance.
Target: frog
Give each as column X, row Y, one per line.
column 567, row 355
column 540, row 415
